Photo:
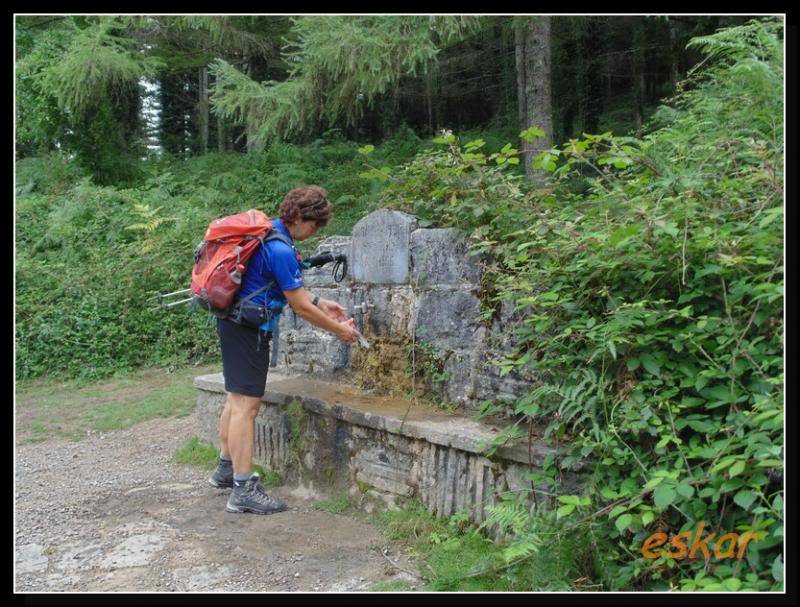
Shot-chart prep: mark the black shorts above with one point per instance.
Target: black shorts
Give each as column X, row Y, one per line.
column 245, row 357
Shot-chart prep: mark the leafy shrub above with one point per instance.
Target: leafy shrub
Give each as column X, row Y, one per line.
column 650, row 305
column 89, row 259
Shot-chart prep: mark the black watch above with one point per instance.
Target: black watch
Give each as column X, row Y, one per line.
column 315, row 300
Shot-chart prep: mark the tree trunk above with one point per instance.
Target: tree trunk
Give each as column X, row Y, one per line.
column 674, row 69
column 221, row 135
column 592, row 48
column 250, row 129
column 429, row 100
column 202, row 110
column 638, row 72
column 534, row 89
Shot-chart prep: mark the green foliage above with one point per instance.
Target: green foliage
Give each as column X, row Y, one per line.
column 297, row 419
column 339, row 65
column 648, row 286
column 98, row 62
column 269, row 477
column 85, row 271
column 454, row 555
column 196, row 452
column 335, row 505
column 78, row 91
column 73, row 408
column 427, row 364
column 39, row 120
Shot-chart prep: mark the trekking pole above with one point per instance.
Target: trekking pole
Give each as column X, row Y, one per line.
column 162, row 296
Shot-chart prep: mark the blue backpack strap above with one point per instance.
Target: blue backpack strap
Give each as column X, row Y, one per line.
column 276, row 235
column 272, row 235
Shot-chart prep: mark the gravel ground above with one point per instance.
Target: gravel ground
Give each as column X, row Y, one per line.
column 113, row 513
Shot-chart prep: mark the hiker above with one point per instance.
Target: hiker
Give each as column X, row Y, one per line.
column 245, row 350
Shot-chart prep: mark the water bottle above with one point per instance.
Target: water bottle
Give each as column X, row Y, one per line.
column 236, row 275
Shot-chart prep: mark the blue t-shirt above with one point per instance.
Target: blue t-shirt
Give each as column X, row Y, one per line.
column 274, row 261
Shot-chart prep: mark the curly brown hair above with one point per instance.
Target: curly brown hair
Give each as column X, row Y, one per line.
column 309, row 202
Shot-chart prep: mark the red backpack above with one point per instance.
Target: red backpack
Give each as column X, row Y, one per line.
column 220, row 259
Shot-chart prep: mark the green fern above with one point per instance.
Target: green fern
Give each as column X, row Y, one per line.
column 151, row 220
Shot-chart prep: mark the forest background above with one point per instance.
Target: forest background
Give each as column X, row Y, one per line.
column 620, row 178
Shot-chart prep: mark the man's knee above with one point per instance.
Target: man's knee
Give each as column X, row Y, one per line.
column 244, row 405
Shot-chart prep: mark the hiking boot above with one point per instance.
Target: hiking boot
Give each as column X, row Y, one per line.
column 251, row 497
column 223, row 475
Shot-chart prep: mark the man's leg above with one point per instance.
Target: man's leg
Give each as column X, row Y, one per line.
column 241, row 431
column 224, row 421
column 247, row 495
column 222, row 477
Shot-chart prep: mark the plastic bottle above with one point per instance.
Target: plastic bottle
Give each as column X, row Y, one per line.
column 236, row 275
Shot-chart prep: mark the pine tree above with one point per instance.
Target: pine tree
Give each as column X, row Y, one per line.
column 339, row 66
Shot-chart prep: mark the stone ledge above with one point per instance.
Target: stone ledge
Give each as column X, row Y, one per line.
column 353, row 406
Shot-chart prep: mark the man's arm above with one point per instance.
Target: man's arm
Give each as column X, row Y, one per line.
column 300, row 301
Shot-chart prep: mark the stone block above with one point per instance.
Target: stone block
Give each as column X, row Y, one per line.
column 440, row 257
column 380, row 247
column 384, row 311
column 304, row 348
column 384, row 469
column 448, row 317
column 460, row 367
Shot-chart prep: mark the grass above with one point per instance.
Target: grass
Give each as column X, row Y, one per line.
column 195, row 452
column 337, row 505
column 202, row 454
column 269, row 478
column 71, row 409
column 449, row 550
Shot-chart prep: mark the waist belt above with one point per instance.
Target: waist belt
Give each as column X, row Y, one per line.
column 252, row 315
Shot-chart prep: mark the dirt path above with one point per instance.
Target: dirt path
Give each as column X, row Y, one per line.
column 113, row 513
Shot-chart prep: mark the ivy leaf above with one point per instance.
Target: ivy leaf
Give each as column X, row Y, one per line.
column 664, row 496
column 736, row 469
column 733, row 584
column 700, row 426
column 531, row 133
column 777, row 568
column 623, row 522
column 608, row 493
column 617, row 510
column 565, row 510
column 744, row 499
column 622, row 234
column 719, row 394
column 650, row 364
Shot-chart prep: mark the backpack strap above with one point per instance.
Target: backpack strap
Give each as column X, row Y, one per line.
column 276, row 235
column 272, row 235
column 236, row 310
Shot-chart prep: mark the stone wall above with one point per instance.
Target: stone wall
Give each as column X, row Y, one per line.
column 346, row 441
column 405, row 284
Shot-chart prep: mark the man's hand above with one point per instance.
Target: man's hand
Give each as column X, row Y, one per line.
column 348, row 332
column 332, row 309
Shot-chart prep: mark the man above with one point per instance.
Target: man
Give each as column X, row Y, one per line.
column 245, row 349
